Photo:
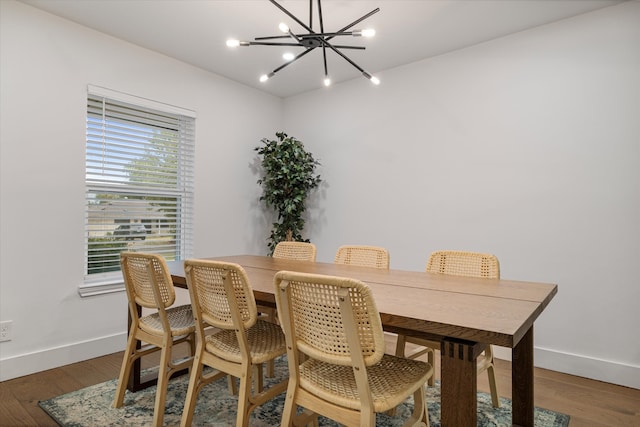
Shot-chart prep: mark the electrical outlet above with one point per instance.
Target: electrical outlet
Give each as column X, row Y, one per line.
column 6, row 333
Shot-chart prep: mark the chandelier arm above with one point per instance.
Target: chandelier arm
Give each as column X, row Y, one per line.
column 290, row 15
column 330, row 46
column 339, row 46
column 274, row 44
column 357, row 21
column 300, row 55
column 307, row 36
column 293, row 36
column 324, row 59
column 324, row 48
column 323, row 34
column 272, row 37
column 319, row 15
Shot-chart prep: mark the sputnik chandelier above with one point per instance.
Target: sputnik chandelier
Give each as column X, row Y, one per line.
column 311, row 40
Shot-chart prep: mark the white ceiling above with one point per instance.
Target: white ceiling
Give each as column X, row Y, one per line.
column 195, row 31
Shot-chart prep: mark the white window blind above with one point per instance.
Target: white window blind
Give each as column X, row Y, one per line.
column 139, row 184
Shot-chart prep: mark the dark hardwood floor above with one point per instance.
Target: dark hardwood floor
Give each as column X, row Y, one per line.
column 588, row 402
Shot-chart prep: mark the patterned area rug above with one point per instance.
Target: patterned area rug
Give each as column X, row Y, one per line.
column 91, row 407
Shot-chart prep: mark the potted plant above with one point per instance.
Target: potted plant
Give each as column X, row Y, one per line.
column 288, row 176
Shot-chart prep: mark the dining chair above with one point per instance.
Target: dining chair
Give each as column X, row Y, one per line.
column 336, row 353
column 467, row 264
column 222, row 298
column 149, row 285
column 362, row 255
column 302, row 251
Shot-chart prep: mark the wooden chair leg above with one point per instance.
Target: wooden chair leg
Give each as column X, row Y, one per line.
column 495, row 399
column 232, row 385
column 244, row 394
column 420, row 415
column 258, row 378
column 164, row 372
column 125, row 371
column 400, row 344
column 289, row 411
column 431, row 359
column 192, row 393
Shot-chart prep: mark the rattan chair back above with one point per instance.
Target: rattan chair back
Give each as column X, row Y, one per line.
column 362, row 255
column 220, row 288
column 320, row 316
column 147, row 279
column 301, row 251
column 463, row 263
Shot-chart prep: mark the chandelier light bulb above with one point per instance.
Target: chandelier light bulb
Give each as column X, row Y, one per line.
column 265, row 77
column 233, row 43
column 369, row 32
column 284, row 28
column 374, row 79
column 288, row 56
column 327, row 81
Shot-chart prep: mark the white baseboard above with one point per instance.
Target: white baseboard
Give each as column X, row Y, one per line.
column 30, row 363
column 589, row 367
column 580, row 365
column 574, row 364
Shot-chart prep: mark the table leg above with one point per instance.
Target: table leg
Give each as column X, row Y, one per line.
column 522, row 381
column 459, row 369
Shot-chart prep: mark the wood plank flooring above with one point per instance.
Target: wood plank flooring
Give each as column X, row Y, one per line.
column 589, row 403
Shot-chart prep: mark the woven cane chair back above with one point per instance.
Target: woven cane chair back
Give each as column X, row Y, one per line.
column 318, row 321
column 462, row 263
column 365, row 256
column 301, row 251
column 209, row 282
column 142, row 272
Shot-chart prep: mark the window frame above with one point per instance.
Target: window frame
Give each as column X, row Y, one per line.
column 108, row 282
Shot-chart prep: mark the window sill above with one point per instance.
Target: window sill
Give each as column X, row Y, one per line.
column 91, row 289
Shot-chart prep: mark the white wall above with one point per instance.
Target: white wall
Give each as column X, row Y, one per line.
column 527, row 147
column 46, row 65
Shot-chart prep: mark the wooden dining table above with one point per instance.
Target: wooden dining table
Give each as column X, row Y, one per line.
column 464, row 314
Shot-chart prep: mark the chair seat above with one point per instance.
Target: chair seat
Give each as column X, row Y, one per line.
column 266, row 341
column 389, row 381
column 180, row 320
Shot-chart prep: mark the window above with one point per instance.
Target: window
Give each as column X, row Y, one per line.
column 139, row 184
